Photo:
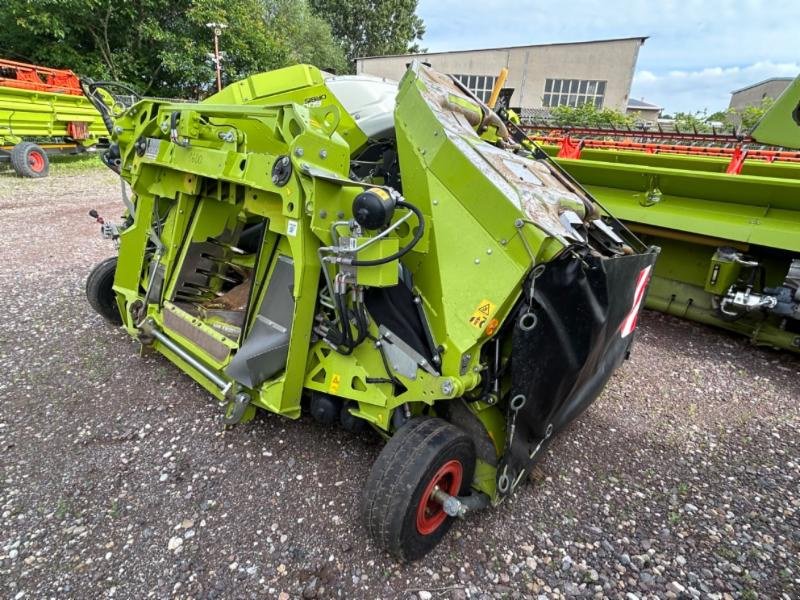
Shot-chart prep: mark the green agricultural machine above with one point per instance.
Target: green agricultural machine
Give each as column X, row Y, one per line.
column 729, row 228
column 382, row 258
column 43, row 112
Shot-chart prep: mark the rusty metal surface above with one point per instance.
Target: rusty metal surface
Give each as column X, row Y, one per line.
column 215, row 348
column 532, row 186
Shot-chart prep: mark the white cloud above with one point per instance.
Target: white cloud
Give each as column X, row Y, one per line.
column 711, row 47
column 707, row 88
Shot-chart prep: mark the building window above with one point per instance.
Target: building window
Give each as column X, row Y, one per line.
column 480, row 85
column 573, row 92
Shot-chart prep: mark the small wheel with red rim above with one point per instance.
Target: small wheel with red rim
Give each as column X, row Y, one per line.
column 29, row 160
column 399, row 508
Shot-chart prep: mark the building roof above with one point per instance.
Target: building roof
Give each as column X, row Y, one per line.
column 642, row 105
column 752, row 85
column 624, row 39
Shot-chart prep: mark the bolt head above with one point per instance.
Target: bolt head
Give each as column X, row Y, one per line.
column 447, row 387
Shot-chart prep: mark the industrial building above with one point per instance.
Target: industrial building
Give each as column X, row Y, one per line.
column 541, row 75
column 755, row 94
column 646, row 112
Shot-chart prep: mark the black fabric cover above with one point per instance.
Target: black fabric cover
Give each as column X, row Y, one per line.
column 562, row 364
column 394, row 307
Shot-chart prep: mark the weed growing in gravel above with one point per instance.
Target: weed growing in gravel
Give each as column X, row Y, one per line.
column 674, row 518
column 63, row 509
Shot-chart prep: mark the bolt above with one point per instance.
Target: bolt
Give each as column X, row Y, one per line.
column 477, row 261
column 298, row 152
column 323, row 214
column 323, row 153
column 447, row 387
column 488, row 251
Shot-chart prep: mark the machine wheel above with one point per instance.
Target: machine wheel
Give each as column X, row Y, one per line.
column 100, row 291
column 397, row 507
column 29, row 160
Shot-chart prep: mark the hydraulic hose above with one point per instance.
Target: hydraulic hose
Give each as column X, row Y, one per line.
column 90, row 88
column 402, row 251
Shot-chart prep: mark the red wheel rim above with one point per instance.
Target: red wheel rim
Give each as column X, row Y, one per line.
column 36, row 161
column 430, row 514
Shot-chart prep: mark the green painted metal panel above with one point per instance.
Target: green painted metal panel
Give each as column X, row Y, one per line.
column 780, row 126
column 742, row 208
column 36, row 114
column 689, row 206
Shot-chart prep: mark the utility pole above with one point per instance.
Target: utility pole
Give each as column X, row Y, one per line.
column 217, row 28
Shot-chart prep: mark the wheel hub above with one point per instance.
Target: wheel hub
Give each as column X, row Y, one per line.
column 36, row 161
column 430, row 513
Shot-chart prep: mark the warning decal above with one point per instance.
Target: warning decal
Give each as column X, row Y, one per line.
column 482, row 314
column 334, row 386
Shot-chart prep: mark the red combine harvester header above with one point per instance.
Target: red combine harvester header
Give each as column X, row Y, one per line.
column 41, row 79
column 571, row 140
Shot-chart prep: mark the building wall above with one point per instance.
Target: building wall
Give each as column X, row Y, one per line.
column 646, row 115
column 612, row 61
column 753, row 96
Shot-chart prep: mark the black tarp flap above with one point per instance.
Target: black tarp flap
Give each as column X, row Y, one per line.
column 585, row 311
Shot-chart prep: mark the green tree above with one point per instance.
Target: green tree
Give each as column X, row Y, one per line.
column 721, row 116
column 588, row 115
column 162, row 46
column 749, row 116
column 372, row 27
column 692, row 121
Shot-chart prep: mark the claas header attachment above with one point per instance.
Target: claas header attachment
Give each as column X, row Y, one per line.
column 383, row 257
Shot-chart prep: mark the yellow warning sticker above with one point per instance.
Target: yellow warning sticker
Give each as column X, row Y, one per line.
column 334, row 386
column 482, row 314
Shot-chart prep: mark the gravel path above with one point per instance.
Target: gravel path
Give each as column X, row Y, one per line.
column 118, row 480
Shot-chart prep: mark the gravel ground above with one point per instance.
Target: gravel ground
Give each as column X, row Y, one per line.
column 118, row 479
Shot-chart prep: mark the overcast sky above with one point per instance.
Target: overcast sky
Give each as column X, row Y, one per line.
column 697, row 52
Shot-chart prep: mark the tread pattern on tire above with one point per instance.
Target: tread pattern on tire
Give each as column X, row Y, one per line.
column 96, row 285
column 395, row 476
column 19, row 160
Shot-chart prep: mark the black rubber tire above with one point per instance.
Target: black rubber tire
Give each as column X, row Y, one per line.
column 29, row 160
column 100, row 292
column 398, row 479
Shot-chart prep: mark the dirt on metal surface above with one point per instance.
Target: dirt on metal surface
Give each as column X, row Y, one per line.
column 118, row 479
